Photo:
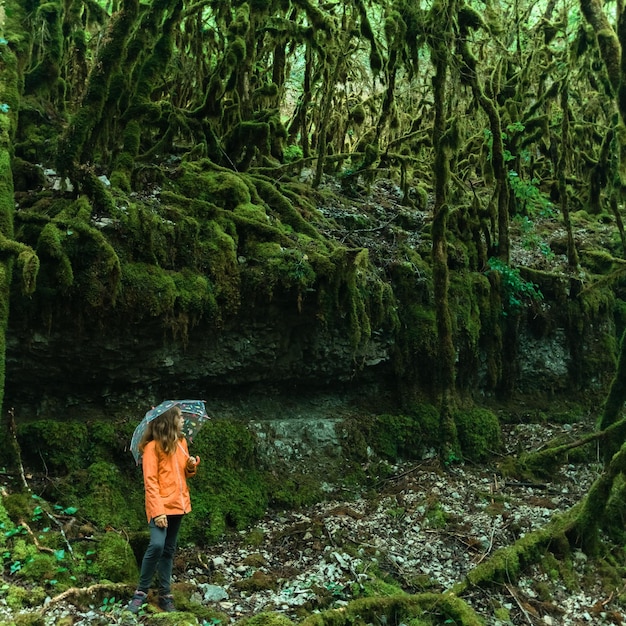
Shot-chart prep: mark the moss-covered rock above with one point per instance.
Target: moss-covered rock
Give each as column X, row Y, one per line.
column 266, row 619
column 205, row 181
column 479, row 432
column 229, row 491
column 114, row 559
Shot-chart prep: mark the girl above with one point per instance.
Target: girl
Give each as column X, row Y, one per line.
column 166, row 466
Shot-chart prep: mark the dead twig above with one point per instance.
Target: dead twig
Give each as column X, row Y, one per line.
column 520, row 605
column 35, row 540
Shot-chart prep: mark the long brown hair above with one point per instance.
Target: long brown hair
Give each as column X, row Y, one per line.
column 163, row 430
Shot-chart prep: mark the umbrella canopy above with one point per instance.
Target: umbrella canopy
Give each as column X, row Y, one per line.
column 193, row 411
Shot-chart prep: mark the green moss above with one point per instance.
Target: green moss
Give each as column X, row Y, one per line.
column 219, row 252
column 258, row 581
column 251, row 211
column 435, row 516
column 375, row 587
column 5, row 521
column 229, row 491
column 283, row 207
column 292, row 489
column 40, row 567
column 266, row 619
column 115, row 560
column 400, row 608
column 54, row 446
column 401, row 436
column 223, row 188
column 147, row 290
column 17, row 507
column 196, row 295
column 105, row 496
column 479, row 433
column 269, row 264
column 613, row 522
column 20, row 597
column 30, row 619
column 50, row 244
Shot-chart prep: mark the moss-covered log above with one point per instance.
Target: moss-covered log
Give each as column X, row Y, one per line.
column 446, row 606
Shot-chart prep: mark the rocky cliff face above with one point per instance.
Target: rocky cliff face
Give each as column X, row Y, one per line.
column 77, row 367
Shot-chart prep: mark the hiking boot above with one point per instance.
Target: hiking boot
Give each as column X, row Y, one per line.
column 137, row 601
column 167, row 603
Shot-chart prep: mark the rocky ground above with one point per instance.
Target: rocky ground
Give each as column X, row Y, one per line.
column 423, row 529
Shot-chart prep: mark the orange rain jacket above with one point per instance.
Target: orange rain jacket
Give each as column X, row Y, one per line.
column 165, row 480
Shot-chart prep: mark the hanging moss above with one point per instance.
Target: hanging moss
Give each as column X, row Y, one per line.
column 196, row 295
column 50, row 245
column 270, row 265
column 219, row 251
column 44, row 76
column 469, row 19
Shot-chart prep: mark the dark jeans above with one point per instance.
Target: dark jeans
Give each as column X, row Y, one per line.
column 159, row 556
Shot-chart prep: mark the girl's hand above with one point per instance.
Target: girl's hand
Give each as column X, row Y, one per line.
column 192, row 461
column 161, row 521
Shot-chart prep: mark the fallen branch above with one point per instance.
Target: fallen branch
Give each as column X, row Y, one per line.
column 61, row 530
column 73, row 593
column 543, row 459
column 16, row 447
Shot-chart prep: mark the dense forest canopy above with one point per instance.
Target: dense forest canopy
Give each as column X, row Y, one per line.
column 255, row 86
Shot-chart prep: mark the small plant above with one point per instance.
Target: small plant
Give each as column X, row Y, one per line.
column 516, row 291
column 292, row 153
column 529, row 196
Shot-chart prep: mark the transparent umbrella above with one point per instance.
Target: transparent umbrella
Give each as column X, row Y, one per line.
column 193, row 411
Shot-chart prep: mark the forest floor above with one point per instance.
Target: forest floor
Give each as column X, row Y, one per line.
column 422, row 528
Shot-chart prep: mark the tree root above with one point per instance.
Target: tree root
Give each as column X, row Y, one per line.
column 397, row 607
column 79, row 594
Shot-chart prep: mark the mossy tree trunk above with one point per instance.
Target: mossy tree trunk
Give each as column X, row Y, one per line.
column 500, row 173
column 614, row 404
column 10, row 250
column 572, row 254
column 441, row 15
